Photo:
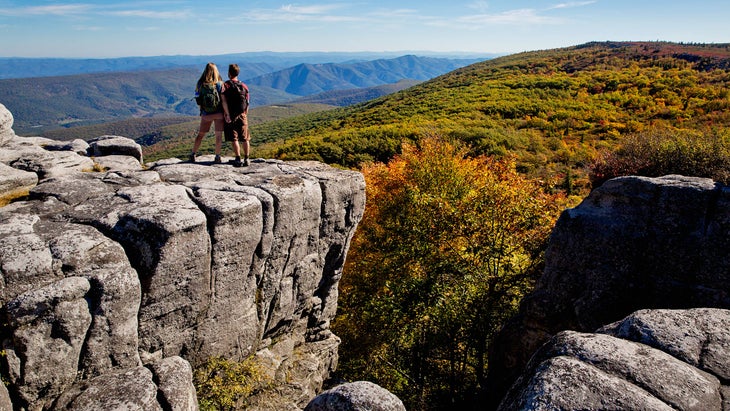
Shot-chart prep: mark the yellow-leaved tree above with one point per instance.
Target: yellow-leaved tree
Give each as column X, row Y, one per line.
column 446, row 249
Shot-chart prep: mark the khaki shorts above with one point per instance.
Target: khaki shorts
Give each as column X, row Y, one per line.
column 237, row 129
column 207, row 119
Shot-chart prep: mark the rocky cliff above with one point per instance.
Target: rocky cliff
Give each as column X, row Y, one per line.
column 634, row 243
column 119, row 277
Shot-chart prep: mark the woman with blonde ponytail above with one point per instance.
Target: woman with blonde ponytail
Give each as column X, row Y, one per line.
column 208, row 96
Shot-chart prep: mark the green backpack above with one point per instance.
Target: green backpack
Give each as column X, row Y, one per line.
column 209, row 99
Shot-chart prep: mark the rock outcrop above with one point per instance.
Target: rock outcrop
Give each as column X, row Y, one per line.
column 119, row 277
column 652, row 360
column 634, row 243
column 356, row 396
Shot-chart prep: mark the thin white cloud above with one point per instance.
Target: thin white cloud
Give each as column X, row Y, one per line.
column 88, row 28
column 479, row 5
column 317, row 9
column 138, row 29
column 152, row 14
column 511, row 17
column 570, row 5
column 394, row 13
column 397, row 17
column 55, row 10
column 82, row 9
column 326, row 13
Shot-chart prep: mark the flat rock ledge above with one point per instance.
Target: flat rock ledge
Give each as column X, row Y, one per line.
column 119, row 278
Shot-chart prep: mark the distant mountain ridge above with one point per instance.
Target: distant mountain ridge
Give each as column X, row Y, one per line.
column 45, row 103
column 306, row 79
column 359, row 95
column 23, row 67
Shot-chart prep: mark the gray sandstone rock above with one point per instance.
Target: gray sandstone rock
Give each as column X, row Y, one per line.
column 576, row 371
column 15, row 183
column 633, row 243
column 568, row 384
column 49, row 328
column 6, row 125
column 27, row 153
column 166, row 239
column 237, row 223
column 77, row 146
column 126, row 389
column 356, row 396
column 5, row 403
column 117, row 162
column 114, row 145
column 167, row 264
column 174, row 379
column 699, row 336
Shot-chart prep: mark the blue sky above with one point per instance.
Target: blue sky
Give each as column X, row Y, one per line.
column 161, row 27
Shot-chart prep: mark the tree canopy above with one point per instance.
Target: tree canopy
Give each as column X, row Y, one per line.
column 448, row 245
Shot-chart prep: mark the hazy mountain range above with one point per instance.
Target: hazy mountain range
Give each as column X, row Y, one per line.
column 48, row 102
column 256, row 62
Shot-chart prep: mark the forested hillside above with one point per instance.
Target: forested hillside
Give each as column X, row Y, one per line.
column 472, row 170
column 152, row 130
column 44, row 103
column 556, row 110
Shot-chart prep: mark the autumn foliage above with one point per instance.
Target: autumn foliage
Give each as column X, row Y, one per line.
column 658, row 152
column 447, row 247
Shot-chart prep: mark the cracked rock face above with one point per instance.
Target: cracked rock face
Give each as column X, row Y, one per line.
column 634, row 243
column 651, row 360
column 120, row 280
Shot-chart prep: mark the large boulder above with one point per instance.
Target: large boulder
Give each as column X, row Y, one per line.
column 651, row 360
column 699, row 336
column 633, row 243
column 356, row 396
column 121, row 278
column 114, row 145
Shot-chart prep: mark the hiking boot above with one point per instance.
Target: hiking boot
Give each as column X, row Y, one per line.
column 236, row 163
column 245, row 162
column 191, row 157
column 217, row 159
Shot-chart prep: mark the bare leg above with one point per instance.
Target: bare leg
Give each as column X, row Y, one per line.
column 218, row 142
column 246, row 148
column 198, row 141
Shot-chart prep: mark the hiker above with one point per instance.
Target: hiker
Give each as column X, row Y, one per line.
column 235, row 108
column 207, row 95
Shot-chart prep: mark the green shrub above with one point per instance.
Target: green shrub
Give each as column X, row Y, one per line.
column 222, row 384
column 659, row 152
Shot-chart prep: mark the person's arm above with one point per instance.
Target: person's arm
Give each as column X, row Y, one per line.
column 224, row 103
column 248, row 98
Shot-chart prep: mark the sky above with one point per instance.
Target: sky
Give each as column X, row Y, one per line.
column 115, row 28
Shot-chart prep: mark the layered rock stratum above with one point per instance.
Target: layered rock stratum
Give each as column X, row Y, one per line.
column 120, row 277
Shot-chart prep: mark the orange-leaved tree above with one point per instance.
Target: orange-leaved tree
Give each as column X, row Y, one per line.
column 447, row 247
